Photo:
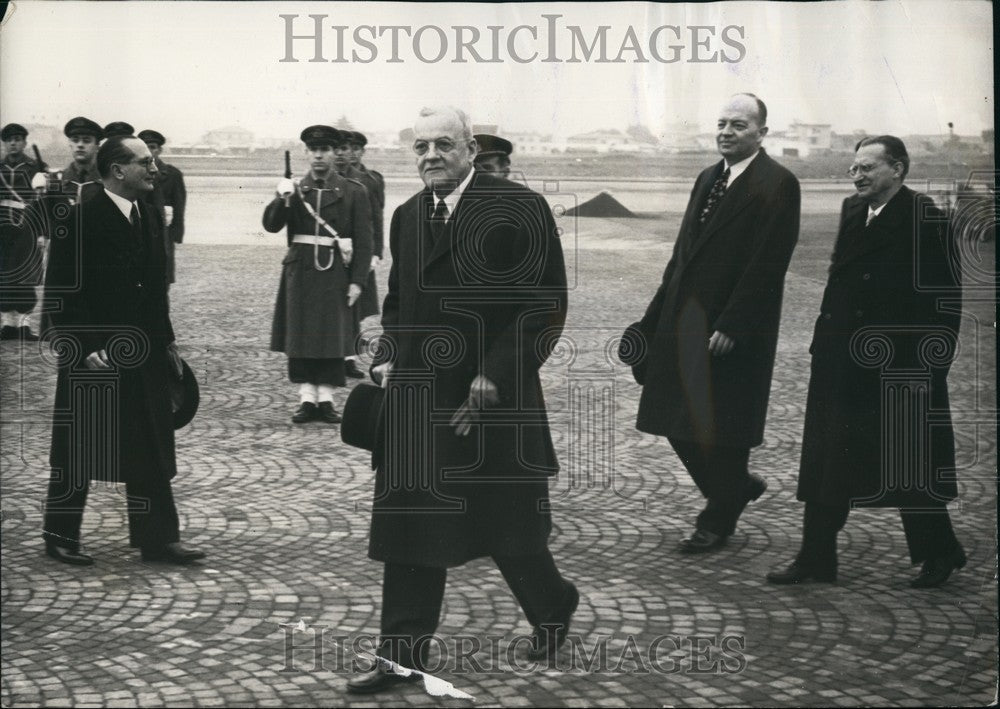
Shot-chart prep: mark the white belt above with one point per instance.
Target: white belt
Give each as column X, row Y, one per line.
column 313, row 239
column 11, row 203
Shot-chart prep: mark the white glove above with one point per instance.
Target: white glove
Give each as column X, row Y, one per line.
column 285, row 187
column 168, row 215
column 40, row 181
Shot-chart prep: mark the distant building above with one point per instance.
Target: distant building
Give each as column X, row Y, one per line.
column 232, row 139
column 606, row 141
column 801, row 139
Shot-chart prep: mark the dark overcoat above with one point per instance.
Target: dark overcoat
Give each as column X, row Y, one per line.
column 375, row 185
column 109, row 288
column 878, row 428
column 311, row 315
column 170, row 192
column 487, row 297
column 727, row 276
column 20, row 258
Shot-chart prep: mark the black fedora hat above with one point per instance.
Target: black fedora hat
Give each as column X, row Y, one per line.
column 184, row 396
column 362, row 415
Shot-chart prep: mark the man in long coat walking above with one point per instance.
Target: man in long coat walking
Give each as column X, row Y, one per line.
column 324, row 270
column 878, row 429
column 476, row 301
column 712, row 327
column 113, row 417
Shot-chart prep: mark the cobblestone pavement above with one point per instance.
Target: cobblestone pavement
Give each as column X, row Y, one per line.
column 282, row 512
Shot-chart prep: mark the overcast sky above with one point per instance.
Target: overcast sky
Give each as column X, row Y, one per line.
column 186, row 67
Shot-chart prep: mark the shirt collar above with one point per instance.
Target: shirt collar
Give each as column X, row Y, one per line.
column 874, row 212
column 123, row 204
column 451, row 201
column 737, row 169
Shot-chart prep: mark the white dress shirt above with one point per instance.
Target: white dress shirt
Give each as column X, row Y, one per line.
column 123, row 204
column 451, row 200
column 737, row 169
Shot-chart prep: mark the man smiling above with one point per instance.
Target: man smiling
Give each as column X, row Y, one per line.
column 712, row 326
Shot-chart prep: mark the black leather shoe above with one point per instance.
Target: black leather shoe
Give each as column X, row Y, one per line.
column 936, row 571
column 547, row 638
column 172, row 553
column 306, row 412
column 352, row 370
column 378, row 679
column 9, row 333
column 701, row 541
column 26, row 335
column 797, row 573
column 327, row 414
column 68, row 556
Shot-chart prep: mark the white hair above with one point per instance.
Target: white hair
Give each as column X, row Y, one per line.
column 458, row 113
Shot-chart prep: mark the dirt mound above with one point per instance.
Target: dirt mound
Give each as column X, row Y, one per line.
column 603, row 205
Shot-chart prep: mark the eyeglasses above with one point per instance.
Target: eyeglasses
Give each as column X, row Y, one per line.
column 441, row 145
column 863, row 169
column 144, row 162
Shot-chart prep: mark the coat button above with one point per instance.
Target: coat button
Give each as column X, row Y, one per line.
column 867, row 276
column 858, row 313
column 827, row 316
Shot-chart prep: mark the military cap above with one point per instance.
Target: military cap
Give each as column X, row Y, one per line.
column 358, row 138
column 83, row 126
column 321, row 135
column 12, row 129
column 118, row 128
column 492, row 145
column 151, row 136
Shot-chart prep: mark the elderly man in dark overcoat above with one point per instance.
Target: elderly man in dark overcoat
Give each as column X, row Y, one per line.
column 475, row 303
column 712, row 327
column 316, row 322
column 878, row 430
column 113, row 417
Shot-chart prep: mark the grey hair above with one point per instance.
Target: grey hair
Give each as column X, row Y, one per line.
column 461, row 115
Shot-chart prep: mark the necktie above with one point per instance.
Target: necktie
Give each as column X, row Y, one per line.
column 714, row 197
column 136, row 223
column 871, row 216
column 438, row 220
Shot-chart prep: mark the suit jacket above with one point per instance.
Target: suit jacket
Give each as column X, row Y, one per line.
column 725, row 276
column 878, row 428
column 108, row 288
column 487, row 297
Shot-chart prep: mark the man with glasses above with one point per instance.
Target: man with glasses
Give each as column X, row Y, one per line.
column 113, row 417
column 476, row 301
column 712, row 327
column 878, row 429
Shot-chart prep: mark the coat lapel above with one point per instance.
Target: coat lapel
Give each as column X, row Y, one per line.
column 856, row 240
column 734, row 201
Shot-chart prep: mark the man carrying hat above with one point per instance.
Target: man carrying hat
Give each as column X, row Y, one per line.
column 494, row 154
column 113, row 417
column 21, row 240
column 169, row 196
column 323, row 273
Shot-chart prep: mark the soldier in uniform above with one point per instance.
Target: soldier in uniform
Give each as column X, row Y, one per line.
column 116, row 128
column 80, row 180
column 494, row 154
column 169, row 196
column 323, row 273
column 21, row 241
column 375, row 185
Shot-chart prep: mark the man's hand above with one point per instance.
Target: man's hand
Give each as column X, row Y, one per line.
column 353, row 293
column 482, row 394
column 375, row 260
column 720, row 344
column 98, row 360
column 380, row 373
column 175, row 360
column 168, row 215
column 285, row 187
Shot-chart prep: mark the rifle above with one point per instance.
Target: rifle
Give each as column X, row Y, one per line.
column 45, row 248
column 38, row 158
column 288, row 176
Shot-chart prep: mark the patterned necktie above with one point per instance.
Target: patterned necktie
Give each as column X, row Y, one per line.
column 438, row 220
column 714, row 197
column 136, row 223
